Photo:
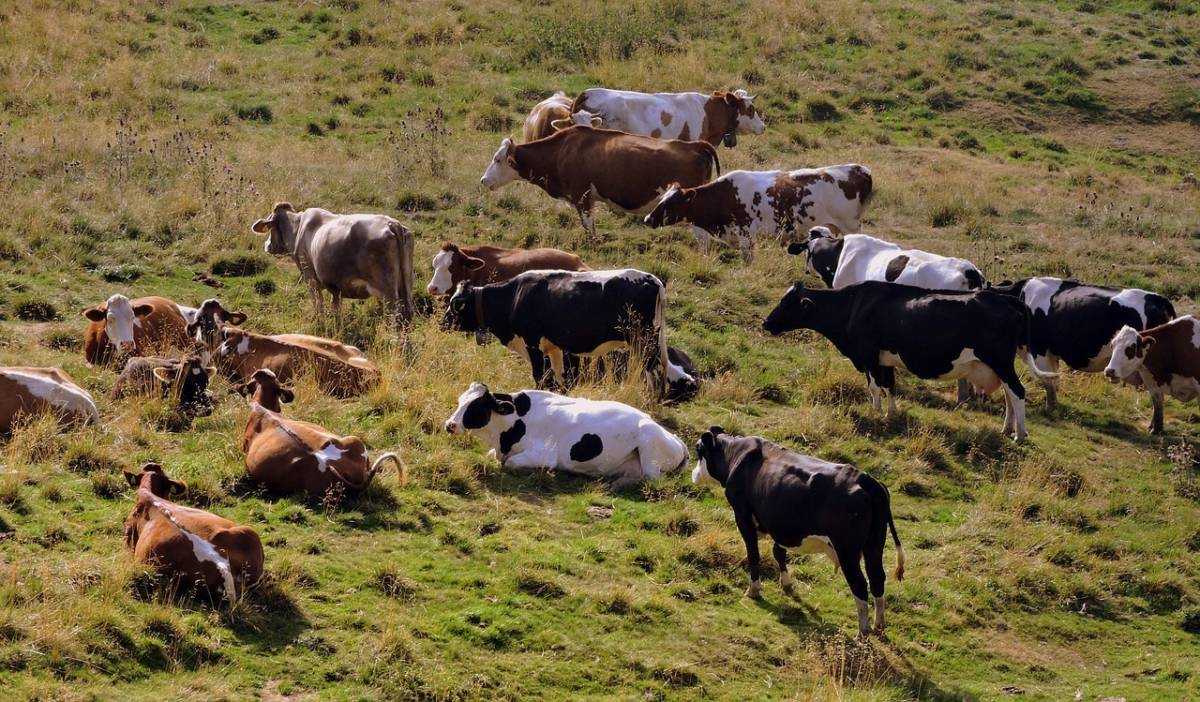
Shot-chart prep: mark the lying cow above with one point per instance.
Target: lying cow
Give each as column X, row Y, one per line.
column 188, row 546
column 554, row 110
column 340, row 369
column 582, row 165
column 122, row 327
column 801, row 501
column 184, row 380
column 741, row 206
column 287, row 455
column 940, row 335
column 538, row 312
column 480, row 265
column 1074, row 322
column 714, row 118
column 1166, row 360
column 352, row 255
column 26, row 391
column 205, row 327
column 854, row 258
column 532, row 429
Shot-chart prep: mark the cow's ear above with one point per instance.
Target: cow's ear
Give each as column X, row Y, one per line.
column 164, row 375
column 96, row 314
column 246, row 389
column 263, row 226
column 286, row 395
column 806, row 303
column 717, row 430
column 560, row 124
column 176, row 486
column 504, row 407
column 237, row 318
column 142, row 310
column 707, row 440
column 132, row 478
column 797, row 247
column 596, row 121
column 1146, row 341
column 473, row 264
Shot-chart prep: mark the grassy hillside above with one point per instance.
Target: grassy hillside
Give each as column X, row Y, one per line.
column 139, row 140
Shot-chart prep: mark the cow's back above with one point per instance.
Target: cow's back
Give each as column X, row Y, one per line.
column 539, row 122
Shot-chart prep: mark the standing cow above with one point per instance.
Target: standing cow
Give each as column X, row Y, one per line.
column 354, row 255
column 143, row 326
column 743, row 205
column 582, row 165
column 714, row 118
column 1165, row 359
column 554, row 110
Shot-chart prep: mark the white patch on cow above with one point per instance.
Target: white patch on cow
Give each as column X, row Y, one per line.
column 676, row 373
column 1135, row 300
column 1120, row 366
column 441, row 281
column 190, row 314
column 62, row 396
column 1038, row 292
column 118, row 321
column 195, row 371
column 820, row 544
column 204, row 551
column 864, row 617
column 700, row 472
column 243, row 345
column 749, row 125
column 499, row 171
column 328, row 454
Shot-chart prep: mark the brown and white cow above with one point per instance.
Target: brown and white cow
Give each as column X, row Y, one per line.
column 26, row 391
column 141, row 327
column 287, row 455
column 582, row 165
column 1166, row 359
column 714, row 118
column 350, row 255
column 743, row 205
column 480, row 265
column 188, row 546
column 340, row 369
column 555, row 109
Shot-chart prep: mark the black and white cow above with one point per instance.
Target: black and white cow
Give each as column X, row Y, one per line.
column 801, row 501
column 1074, row 323
column 942, row 335
column 587, row 313
column 532, row 429
column 855, row 258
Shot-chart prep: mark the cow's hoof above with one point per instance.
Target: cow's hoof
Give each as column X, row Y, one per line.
column 754, row 592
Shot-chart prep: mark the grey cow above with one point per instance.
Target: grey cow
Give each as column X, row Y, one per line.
column 350, row 255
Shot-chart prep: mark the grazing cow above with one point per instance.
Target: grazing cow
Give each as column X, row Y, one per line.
column 1166, row 360
column 743, row 205
column 538, row 312
column 28, row 391
column 532, row 429
column 801, row 501
column 1074, row 322
column 188, row 546
column 288, row 455
column 582, row 165
column 341, row 370
column 480, row 265
column 943, row 335
column 183, row 379
column 555, row 109
column 714, row 118
column 352, row 255
column 122, row 327
column 854, row 258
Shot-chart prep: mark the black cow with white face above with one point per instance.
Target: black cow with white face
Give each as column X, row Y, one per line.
column 1074, row 322
column 801, row 501
column 938, row 335
column 551, row 313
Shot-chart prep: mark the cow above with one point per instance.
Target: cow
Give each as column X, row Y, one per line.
column 341, row 370
column 185, row 380
column 538, row 312
column 853, row 258
column 187, row 546
column 26, row 391
column 942, row 334
column 532, row 429
column 555, row 109
column 205, row 327
column 801, row 501
column 350, row 255
column 480, row 265
column 741, row 206
column 1165, row 359
column 287, row 455
column 581, row 165
column 713, row 119
column 121, row 327
column 1074, row 322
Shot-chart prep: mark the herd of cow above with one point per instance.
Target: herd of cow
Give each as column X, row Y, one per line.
column 884, row 308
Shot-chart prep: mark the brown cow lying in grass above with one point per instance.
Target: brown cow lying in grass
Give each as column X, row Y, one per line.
column 27, row 391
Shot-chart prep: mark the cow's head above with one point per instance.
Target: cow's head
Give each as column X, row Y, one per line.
column 710, row 458
column 792, row 311
column 503, row 168
column 450, row 267
column 279, row 228
column 462, row 314
column 822, row 252
column 119, row 317
column 155, row 480
column 265, row 389
column 206, row 330
column 672, row 207
column 477, row 408
column 582, row 118
column 188, row 383
column 739, row 114
column 1129, row 349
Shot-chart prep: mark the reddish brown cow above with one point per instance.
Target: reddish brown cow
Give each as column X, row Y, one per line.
column 189, row 546
column 480, row 265
column 1165, row 360
column 341, row 370
column 288, row 455
column 142, row 327
column 542, row 119
column 28, row 391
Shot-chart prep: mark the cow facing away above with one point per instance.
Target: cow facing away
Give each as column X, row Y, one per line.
column 287, row 455
column 855, row 258
column 352, row 255
column 741, row 206
column 581, row 166
column 27, row 391
column 184, row 380
column 714, row 119
column 552, row 114
column 341, row 370
column 801, row 501
column 480, row 265
column 189, row 547
column 121, row 327
column 532, row 429
column 1166, row 359
column 1074, row 322
column 942, row 335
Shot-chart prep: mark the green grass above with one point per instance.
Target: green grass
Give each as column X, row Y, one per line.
column 139, row 141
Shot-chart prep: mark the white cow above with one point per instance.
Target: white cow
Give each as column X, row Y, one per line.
column 855, row 258
column 532, row 429
column 714, row 118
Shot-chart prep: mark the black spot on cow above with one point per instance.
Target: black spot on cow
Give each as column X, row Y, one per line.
column 974, row 279
column 895, row 267
column 509, row 437
column 478, row 413
column 757, row 199
column 523, row 403
column 588, row 447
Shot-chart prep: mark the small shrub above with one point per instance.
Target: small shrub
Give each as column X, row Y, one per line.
column 34, row 310
column 390, row 582
column 254, row 113
column 492, row 119
column 537, row 586
column 87, row 458
column 314, row 129
column 239, row 265
column 942, row 99
column 821, row 109
column 120, row 273
column 264, row 287
column 10, row 249
column 945, row 214
column 416, row 202
column 61, row 340
column 108, row 486
column 1191, row 620
column 264, row 35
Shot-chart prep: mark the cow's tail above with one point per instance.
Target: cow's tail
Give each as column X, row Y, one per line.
column 660, row 329
column 580, row 102
column 404, row 277
column 1023, row 342
column 868, row 190
column 883, row 500
column 711, row 152
column 394, row 457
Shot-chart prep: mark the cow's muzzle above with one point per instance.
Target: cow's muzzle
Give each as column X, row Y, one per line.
column 451, row 427
column 1111, row 375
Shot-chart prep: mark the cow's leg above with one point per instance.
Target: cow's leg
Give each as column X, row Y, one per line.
column 1156, row 398
column 537, row 363
column 964, row 391
column 873, row 560
column 1014, row 395
column 703, row 239
column 556, row 362
column 1049, row 364
column 781, row 557
column 850, row 560
column 318, row 300
column 749, row 532
column 584, row 208
column 630, row 473
column 885, row 377
column 876, row 393
column 336, row 304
